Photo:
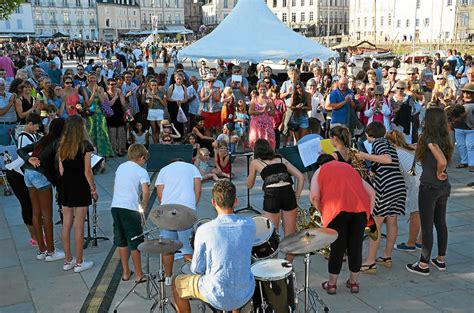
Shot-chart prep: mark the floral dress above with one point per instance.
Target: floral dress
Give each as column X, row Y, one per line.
column 261, row 126
column 97, row 128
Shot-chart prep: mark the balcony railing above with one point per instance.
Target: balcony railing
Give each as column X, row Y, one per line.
column 53, row 22
column 92, row 22
column 39, row 22
column 80, row 23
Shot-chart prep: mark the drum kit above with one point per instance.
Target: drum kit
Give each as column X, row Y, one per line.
column 275, row 290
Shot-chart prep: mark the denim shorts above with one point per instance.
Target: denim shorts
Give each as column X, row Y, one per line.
column 181, row 235
column 302, row 120
column 34, row 179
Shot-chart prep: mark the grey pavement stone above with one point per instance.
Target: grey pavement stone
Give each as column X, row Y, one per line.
column 8, row 255
column 14, row 289
column 26, row 307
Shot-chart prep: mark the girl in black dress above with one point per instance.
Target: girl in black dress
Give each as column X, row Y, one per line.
column 78, row 188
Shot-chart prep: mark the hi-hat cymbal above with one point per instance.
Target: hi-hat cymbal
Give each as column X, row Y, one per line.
column 308, row 240
column 173, row 216
column 161, row 245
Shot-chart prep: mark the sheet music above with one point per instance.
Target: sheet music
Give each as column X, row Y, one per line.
column 309, row 151
column 96, row 159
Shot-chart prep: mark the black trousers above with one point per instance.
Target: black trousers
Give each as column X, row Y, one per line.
column 432, row 202
column 17, row 182
column 350, row 229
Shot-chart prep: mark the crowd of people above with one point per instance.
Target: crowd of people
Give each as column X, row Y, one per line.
column 121, row 103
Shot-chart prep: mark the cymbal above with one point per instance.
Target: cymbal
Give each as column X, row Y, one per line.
column 161, row 245
column 308, row 240
column 173, row 216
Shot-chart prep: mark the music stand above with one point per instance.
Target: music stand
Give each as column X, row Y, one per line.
column 249, row 207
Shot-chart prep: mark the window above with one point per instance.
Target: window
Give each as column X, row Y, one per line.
column 381, row 21
column 226, row 4
column 417, row 22
column 283, row 17
column 66, row 18
column 358, row 21
column 18, row 10
column 134, row 23
column 450, row 3
column 302, row 16
column 407, row 24
column 418, row 4
column 38, row 18
column 464, row 19
column 177, row 18
column 107, row 23
column 310, row 2
column 293, row 3
column 78, row 3
column 365, row 21
column 284, row 3
column 176, row 4
column 446, row 35
column 275, row 3
column 19, row 24
column 167, row 3
column 426, row 22
column 302, row 3
column 311, row 16
column 293, row 17
column 399, row 23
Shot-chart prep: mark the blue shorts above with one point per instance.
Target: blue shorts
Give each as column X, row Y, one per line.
column 34, row 179
column 181, row 235
column 303, row 120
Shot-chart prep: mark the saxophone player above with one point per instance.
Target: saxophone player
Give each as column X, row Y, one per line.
column 345, row 201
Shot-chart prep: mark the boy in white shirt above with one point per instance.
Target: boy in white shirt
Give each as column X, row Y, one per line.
column 130, row 177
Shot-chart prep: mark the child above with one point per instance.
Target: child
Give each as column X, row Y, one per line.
column 52, row 114
column 130, row 177
column 241, row 120
column 191, row 140
column 202, row 163
column 228, row 106
column 139, row 136
column 199, row 132
column 30, row 134
column 280, row 109
column 222, row 160
column 168, row 128
column 166, row 139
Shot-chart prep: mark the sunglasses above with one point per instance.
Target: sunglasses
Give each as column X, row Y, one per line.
column 67, row 83
column 166, row 140
column 441, row 78
column 412, row 74
column 400, row 88
column 393, row 73
column 370, row 89
column 112, row 84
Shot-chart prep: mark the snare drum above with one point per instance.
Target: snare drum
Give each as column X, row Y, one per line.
column 274, row 286
column 195, row 227
column 266, row 240
column 186, row 268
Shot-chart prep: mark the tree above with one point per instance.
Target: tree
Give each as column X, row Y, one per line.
column 7, row 7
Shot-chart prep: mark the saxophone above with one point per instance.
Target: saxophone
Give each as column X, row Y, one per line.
column 358, row 165
column 311, row 218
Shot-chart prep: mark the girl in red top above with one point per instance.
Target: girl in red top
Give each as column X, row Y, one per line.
column 345, row 202
column 222, row 160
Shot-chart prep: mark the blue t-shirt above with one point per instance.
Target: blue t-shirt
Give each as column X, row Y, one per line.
column 341, row 115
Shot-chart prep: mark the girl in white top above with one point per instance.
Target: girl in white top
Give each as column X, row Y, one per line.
column 140, row 136
column 406, row 155
column 177, row 95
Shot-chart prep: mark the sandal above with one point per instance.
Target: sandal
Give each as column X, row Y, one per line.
column 330, row 289
column 368, row 268
column 461, row 165
column 128, row 278
column 354, row 287
column 387, row 262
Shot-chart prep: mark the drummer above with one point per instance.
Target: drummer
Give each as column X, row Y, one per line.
column 221, row 259
column 345, row 201
column 178, row 183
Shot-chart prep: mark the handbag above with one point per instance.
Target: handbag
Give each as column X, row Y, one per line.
column 293, row 122
column 106, row 109
column 355, row 125
column 181, row 117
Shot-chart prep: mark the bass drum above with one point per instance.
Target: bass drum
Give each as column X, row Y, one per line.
column 195, row 227
column 274, row 286
column 266, row 241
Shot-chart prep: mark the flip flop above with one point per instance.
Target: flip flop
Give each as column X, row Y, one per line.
column 368, row 268
column 128, row 278
column 141, row 281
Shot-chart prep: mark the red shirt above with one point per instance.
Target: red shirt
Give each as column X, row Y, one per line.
column 341, row 190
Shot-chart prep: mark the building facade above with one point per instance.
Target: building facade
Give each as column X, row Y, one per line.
column 312, row 17
column 215, row 11
column 169, row 12
column 75, row 18
column 465, row 20
column 20, row 22
column 116, row 17
column 403, row 20
column 193, row 14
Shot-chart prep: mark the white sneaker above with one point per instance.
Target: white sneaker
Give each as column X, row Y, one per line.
column 69, row 265
column 57, row 255
column 41, row 255
column 85, row 265
column 168, row 281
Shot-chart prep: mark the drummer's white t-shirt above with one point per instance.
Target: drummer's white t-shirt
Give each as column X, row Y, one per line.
column 178, row 179
column 129, row 178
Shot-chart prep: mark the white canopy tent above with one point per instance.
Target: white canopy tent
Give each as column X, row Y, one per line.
column 252, row 33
